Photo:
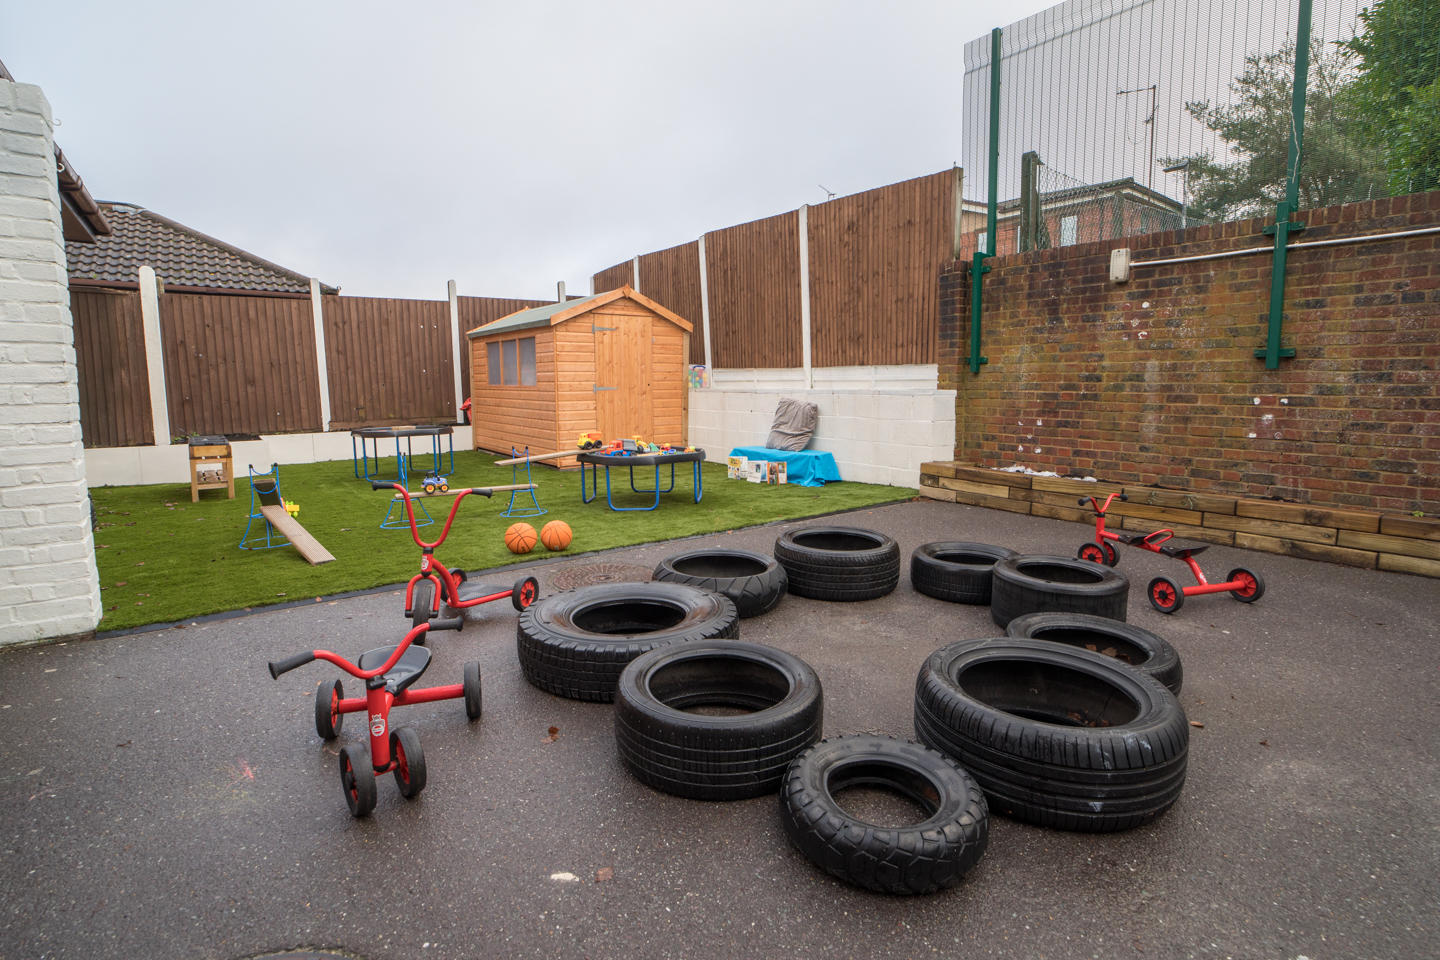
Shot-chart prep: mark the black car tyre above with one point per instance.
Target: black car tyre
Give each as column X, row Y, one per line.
column 839, row 563
column 957, row 571
column 1055, row 735
column 671, row 737
column 753, row 581
column 1038, row 584
column 575, row 644
column 923, row 857
column 1145, row 651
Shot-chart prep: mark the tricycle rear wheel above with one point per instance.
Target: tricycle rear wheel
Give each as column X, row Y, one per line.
column 409, row 762
column 328, row 717
column 1165, row 595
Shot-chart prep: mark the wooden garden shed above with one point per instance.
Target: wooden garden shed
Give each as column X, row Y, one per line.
column 613, row 362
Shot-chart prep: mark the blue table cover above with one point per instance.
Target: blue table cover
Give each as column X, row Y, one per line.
column 808, row 468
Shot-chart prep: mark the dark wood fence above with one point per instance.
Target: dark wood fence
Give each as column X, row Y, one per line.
column 110, row 357
column 611, row 278
column 672, row 278
column 389, row 361
column 239, row 364
column 753, row 272
column 874, row 259
column 875, row 263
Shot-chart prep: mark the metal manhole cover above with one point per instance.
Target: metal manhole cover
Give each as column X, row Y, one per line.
column 584, row 575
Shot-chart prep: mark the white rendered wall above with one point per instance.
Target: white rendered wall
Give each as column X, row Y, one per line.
column 131, row 466
column 48, row 583
column 880, row 423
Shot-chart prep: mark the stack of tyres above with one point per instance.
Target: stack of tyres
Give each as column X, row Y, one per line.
column 839, row 563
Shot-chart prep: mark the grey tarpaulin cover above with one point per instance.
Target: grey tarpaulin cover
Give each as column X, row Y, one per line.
column 794, row 423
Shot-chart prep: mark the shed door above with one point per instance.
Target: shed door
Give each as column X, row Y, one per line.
column 622, row 377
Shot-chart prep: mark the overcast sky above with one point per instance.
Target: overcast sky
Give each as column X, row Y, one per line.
column 390, row 147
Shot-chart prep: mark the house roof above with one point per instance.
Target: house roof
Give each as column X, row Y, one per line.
column 184, row 259
column 552, row 313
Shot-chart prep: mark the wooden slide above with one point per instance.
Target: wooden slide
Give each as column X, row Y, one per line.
column 290, row 528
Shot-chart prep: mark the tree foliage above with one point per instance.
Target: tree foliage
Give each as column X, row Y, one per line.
column 1397, row 88
column 1337, row 161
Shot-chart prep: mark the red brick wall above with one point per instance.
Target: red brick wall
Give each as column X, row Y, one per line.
column 1155, row 380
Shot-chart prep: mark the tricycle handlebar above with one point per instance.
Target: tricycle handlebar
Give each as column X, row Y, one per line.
column 289, row 663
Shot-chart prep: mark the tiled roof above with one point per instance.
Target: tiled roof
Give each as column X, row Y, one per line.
column 180, row 256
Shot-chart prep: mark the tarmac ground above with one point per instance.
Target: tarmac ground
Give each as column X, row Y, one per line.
column 164, row 798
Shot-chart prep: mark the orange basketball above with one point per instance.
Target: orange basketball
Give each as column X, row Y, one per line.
column 520, row 538
column 556, row 535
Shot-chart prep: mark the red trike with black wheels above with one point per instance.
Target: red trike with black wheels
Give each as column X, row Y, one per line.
column 388, row 673
column 438, row 595
column 1165, row 594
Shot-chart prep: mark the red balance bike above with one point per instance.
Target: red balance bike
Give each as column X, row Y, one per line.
column 388, row 673
column 1165, row 594
column 437, row 595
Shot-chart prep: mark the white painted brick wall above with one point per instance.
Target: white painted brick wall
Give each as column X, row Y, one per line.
column 879, row 423
column 48, row 583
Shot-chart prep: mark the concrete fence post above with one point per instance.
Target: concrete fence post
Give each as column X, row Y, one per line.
column 705, row 305
column 454, row 298
column 804, row 236
column 635, row 272
column 322, row 366
column 154, row 354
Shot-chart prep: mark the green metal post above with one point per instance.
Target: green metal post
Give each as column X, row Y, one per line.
column 978, row 269
column 1284, row 226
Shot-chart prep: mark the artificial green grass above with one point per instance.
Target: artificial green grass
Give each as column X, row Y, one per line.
column 163, row 558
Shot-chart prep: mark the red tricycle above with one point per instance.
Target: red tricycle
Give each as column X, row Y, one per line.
column 388, row 673
column 1165, row 594
column 437, row 595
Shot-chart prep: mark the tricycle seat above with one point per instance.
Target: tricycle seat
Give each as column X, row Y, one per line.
column 407, row 669
column 1183, row 551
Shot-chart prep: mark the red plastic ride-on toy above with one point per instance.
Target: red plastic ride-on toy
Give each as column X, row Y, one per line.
column 388, row 673
column 437, row 595
column 1165, row 594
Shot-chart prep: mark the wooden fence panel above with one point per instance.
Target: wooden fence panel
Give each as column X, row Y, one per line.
column 110, row 360
column 753, row 272
column 478, row 311
column 239, row 365
column 672, row 279
column 611, row 278
column 875, row 263
column 389, row 361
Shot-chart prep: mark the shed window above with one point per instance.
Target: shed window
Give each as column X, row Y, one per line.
column 511, row 362
column 507, row 362
column 527, row 361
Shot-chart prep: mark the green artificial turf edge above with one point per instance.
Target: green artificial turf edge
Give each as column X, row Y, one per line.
column 162, row 558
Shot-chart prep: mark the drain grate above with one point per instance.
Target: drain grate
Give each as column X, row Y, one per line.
column 569, row 577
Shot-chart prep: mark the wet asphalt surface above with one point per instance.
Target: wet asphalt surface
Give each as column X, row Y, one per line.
column 163, row 798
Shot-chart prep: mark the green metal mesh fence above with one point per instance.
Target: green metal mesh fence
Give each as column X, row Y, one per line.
column 1143, row 115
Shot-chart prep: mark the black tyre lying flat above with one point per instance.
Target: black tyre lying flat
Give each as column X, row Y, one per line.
column 957, row 571
column 753, row 581
column 839, row 563
column 575, row 644
column 1132, row 645
column 1036, row 584
column 915, row 858
column 1055, row 735
column 713, row 757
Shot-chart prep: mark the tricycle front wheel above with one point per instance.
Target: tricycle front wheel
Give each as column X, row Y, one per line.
column 409, row 762
column 525, row 592
column 1251, row 587
column 357, row 779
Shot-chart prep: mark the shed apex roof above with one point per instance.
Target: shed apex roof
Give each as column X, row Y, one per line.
column 553, row 313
